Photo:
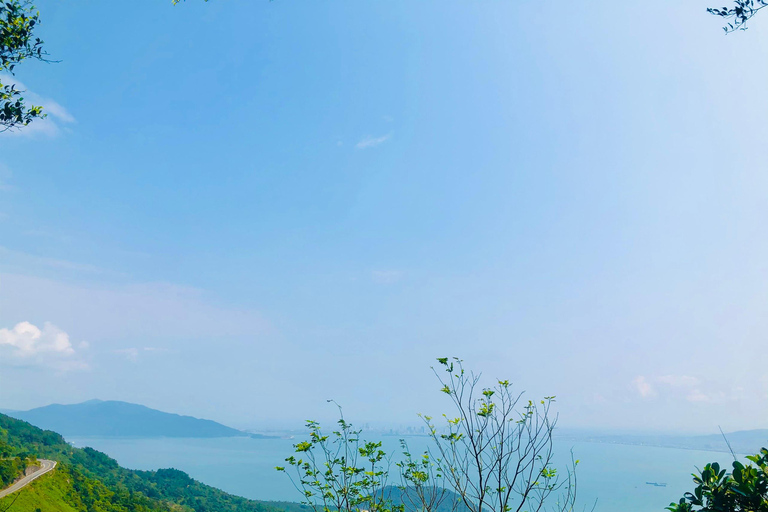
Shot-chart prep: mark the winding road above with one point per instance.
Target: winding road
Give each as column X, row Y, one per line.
column 45, row 467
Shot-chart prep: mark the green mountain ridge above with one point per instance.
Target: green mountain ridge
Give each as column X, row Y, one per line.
column 97, row 418
column 86, row 480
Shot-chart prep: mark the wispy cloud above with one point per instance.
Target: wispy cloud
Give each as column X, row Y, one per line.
column 160, row 314
column 697, row 395
column 132, row 353
column 5, row 176
column 371, row 142
column 31, row 259
column 386, row 276
column 51, row 125
column 678, row 381
column 41, row 233
column 643, row 387
column 683, row 387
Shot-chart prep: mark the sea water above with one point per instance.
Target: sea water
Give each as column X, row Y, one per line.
column 614, row 475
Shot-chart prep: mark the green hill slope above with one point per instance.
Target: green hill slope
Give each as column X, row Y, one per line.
column 88, row 480
column 67, row 490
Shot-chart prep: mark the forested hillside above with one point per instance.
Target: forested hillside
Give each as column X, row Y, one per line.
column 10, row 467
column 86, row 479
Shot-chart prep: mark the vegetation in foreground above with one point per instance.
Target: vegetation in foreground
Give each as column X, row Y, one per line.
column 745, row 489
column 494, row 454
column 487, row 436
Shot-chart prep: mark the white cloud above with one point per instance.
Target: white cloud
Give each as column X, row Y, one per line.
column 29, row 340
column 51, row 125
column 643, row 387
column 27, row 344
column 370, row 142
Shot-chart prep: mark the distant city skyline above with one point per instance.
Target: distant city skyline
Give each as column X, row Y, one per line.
column 239, row 210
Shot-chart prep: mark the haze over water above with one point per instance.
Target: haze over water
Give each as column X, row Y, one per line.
column 614, row 474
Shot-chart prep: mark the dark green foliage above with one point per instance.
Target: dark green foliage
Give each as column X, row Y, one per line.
column 68, row 490
column 18, row 20
column 11, row 469
column 739, row 14
column 91, row 494
column 745, row 489
column 102, row 485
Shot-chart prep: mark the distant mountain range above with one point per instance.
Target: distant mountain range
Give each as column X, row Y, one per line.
column 97, row 418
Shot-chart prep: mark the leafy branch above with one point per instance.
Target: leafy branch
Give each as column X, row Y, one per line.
column 339, row 472
column 739, row 14
column 18, row 20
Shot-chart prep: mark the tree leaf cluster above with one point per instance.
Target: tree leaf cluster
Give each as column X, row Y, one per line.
column 339, row 472
column 18, row 21
column 744, row 489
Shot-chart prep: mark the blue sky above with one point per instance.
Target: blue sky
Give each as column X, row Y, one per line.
column 238, row 209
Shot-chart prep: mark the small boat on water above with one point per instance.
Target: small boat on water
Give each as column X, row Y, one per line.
column 657, row 484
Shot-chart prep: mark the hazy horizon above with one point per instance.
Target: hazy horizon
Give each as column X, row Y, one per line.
column 239, row 210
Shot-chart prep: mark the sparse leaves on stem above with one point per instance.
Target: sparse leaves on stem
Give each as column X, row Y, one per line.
column 739, row 14
column 494, row 454
column 497, row 452
column 339, row 472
